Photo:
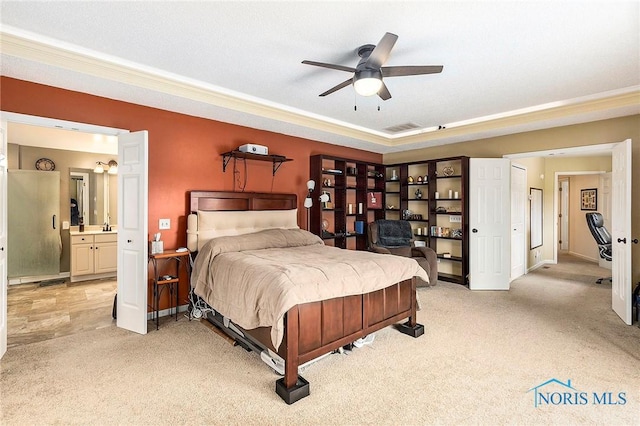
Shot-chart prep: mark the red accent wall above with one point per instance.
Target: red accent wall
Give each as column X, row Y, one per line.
column 184, row 151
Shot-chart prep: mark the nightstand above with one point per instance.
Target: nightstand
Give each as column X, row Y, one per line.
column 172, row 282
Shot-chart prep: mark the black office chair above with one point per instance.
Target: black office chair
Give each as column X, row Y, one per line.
column 602, row 237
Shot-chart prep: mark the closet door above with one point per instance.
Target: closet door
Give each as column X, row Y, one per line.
column 33, row 232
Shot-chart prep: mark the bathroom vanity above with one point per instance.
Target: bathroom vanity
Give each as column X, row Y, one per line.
column 94, row 254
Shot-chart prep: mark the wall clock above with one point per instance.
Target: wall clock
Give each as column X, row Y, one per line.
column 45, row 164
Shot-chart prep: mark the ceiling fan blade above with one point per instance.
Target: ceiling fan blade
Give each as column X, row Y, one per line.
column 331, row 66
column 338, row 87
column 380, row 54
column 384, row 92
column 411, row 70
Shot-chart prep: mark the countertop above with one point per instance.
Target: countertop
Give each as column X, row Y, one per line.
column 93, row 232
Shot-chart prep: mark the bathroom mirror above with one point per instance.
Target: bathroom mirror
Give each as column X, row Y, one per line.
column 93, row 196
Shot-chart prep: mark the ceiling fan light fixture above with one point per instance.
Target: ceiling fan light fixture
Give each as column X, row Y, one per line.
column 367, row 82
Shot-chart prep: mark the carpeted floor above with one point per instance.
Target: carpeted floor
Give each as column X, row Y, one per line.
column 481, row 355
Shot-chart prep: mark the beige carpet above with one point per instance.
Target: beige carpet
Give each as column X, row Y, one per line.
column 480, row 355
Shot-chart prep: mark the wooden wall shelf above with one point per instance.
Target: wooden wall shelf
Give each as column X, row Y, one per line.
column 277, row 160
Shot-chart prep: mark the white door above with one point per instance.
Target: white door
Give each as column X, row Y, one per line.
column 518, row 217
column 621, row 230
column 3, row 237
column 490, row 221
column 563, row 220
column 132, row 231
column 604, row 206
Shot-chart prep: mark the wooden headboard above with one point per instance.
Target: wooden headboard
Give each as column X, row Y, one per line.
column 241, row 201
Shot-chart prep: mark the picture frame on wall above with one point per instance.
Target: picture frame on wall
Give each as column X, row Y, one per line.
column 589, row 199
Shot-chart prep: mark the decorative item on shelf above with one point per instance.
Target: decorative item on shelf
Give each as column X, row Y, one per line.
column 406, row 214
column 374, row 174
column 414, row 216
column 419, row 179
column 456, row 233
column 374, row 200
column 327, row 182
column 441, row 209
column 410, row 179
column 418, row 194
column 352, row 171
column 325, row 229
column 325, row 199
column 448, row 171
column 394, row 176
column 425, row 179
column 391, row 207
column 359, row 226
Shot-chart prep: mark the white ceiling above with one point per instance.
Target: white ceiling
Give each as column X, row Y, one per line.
column 509, row 66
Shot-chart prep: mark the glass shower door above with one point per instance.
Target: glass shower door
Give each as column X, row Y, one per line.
column 33, row 233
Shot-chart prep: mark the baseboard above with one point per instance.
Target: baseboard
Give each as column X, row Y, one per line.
column 582, row 256
column 166, row 312
column 540, row 264
column 38, row 278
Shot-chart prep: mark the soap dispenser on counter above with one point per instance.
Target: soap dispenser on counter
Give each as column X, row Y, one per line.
column 81, row 224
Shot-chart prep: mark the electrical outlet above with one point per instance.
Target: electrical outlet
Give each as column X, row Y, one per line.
column 165, row 224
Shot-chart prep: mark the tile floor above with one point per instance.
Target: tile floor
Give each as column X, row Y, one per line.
column 39, row 312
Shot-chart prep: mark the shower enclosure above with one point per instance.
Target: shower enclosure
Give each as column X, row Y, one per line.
column 34, row 244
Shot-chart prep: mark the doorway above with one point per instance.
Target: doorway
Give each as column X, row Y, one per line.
column 614, row 157
column 82, row 305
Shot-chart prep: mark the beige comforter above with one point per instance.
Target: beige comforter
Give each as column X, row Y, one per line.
column 254, row 279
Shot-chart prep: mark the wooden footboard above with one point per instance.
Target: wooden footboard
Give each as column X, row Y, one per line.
column 314, row 329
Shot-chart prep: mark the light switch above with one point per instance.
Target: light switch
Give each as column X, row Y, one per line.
column 165, row 224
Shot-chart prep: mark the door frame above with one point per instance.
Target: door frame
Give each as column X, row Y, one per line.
column 563, row 201
column 56, row 124
column 556, row 206
column 523, row 214
column 578, row 151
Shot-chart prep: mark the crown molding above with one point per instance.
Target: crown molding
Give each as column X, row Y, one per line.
column 34, row 47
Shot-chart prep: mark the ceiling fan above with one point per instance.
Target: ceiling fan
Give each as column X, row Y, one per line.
column 368, row 74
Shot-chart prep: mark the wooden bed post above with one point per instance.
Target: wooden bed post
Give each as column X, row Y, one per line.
column 411, row 327
column 292, row 387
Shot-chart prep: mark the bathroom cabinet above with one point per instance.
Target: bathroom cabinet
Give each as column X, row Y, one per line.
column 93, row 255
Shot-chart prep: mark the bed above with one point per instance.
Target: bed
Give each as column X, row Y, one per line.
column 273, row 286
